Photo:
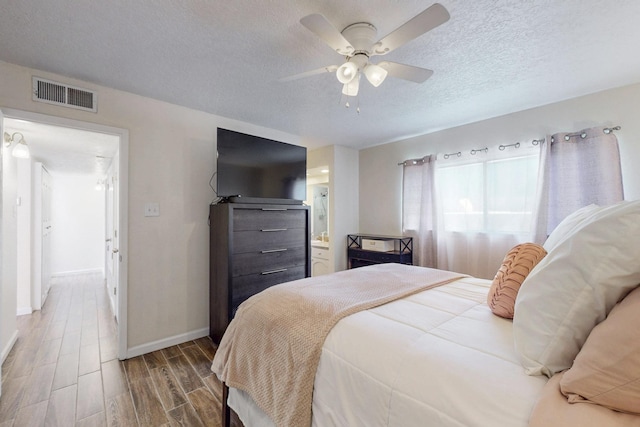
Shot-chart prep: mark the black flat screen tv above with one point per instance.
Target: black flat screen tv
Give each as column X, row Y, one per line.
column 253, row 169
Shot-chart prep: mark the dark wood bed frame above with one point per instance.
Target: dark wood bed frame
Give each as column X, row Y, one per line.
column 226, row 411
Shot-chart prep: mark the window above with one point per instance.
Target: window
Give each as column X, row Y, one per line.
column 488, row 195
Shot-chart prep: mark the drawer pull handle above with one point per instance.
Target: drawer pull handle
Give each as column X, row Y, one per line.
column 274, row 209
column 264, row 273
column 273, row 250
column 273, row 229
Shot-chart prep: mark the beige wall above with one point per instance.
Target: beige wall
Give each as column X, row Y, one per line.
column 381, row 177
column 171, row 159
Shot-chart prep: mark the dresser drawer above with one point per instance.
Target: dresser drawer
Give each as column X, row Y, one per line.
column 245, row 286
column 258, row 219
column 258, row 262
column 256, row 241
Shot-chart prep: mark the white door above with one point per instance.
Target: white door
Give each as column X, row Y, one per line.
column 2, row 306
column 46, row 234
column 112, row 239
column 41, row 273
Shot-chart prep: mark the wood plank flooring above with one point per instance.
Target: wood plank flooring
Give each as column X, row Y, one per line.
column 64, row 371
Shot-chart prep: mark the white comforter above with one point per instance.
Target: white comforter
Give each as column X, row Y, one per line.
column 437, row 358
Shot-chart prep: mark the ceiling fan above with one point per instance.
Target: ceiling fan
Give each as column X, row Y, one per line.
column 357, row 44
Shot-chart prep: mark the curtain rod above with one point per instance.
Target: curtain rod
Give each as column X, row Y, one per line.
column 583, row 134
column 473, row 152
column 415, row 161
column 502, row 147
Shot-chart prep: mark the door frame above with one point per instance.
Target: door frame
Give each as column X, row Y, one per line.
column 113, row 241
column 123, row 186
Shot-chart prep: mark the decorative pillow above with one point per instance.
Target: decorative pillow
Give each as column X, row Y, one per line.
column 516, row 266
column 575, row 286
column 607, row 369
column 553, row 410
column 569, row 224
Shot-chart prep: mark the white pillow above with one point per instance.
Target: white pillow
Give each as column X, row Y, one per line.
column 569, row 224
column 575, row 286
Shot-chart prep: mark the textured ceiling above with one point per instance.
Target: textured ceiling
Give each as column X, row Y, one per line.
column 491, row 58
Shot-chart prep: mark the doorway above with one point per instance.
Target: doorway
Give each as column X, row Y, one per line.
column 115, row 194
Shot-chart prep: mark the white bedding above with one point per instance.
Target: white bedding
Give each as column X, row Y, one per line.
column 437, row 358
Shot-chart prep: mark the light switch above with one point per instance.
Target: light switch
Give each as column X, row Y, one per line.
column 151, row 209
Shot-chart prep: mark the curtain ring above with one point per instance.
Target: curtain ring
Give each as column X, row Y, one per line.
column 502, row 147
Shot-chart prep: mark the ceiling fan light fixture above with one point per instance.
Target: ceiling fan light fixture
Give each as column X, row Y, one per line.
column 347, row 72
column 375, row 74
column 351, row 88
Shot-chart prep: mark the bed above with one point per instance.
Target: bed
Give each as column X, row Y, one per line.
column 438, row 355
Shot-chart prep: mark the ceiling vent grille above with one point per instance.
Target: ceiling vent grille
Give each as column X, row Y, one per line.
column 65, row 95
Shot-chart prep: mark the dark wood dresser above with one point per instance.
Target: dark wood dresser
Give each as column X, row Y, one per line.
column 253, row 247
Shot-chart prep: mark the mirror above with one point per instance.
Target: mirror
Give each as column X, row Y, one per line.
column 318, row 200
column 320, row 213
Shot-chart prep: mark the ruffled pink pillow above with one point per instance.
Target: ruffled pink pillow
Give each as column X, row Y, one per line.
column 516, row 266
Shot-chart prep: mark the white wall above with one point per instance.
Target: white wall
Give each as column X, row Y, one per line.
column 77, row 224
column 345, row 200
column 171, row 159
column 8, row 324
column 381, row 177
column 24, row 236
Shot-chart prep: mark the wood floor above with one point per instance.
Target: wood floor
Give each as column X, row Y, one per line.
column 64, row 371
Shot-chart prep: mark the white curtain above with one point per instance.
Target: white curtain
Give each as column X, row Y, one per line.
column 418, row 210
column 485, row 205
column 466, row 211
column 577, row 169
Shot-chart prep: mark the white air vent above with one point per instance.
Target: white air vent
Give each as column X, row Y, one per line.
column 65, row 95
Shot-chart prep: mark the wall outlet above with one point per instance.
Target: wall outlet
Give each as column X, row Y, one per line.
column 151, row 209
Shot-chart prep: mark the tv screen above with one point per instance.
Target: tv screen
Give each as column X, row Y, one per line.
column 254, row 167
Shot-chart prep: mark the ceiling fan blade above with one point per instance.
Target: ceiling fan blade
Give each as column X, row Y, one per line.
column 327, row 69
column 319, row 25
column 406, row 72
column 425, row 21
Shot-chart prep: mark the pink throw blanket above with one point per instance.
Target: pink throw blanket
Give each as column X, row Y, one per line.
column 272, row 347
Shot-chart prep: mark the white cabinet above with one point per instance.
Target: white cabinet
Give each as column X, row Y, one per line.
column 319, row 261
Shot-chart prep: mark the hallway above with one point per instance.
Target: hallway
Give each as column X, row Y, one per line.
column 64, row 371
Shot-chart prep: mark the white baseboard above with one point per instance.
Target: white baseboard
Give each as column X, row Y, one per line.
column 21, row 311
column 166, row 342
column 7, row 349
column 77, row 272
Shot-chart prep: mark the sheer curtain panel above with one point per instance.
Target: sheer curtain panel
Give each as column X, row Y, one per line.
column 418, row 210
column 486, row 206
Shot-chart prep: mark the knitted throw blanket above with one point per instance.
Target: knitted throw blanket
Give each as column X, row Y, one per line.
column 272, row 347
